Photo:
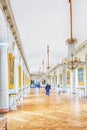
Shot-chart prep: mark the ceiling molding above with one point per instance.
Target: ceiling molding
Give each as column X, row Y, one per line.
column 12, row 24
column 81, row 46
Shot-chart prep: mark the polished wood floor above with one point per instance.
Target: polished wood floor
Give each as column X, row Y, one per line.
column 54, row 112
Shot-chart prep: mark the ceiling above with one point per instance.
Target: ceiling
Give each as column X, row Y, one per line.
column 46, row 22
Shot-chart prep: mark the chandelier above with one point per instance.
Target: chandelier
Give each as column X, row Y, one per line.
column 71, row 61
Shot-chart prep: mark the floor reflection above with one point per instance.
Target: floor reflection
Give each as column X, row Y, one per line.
column 54, row 112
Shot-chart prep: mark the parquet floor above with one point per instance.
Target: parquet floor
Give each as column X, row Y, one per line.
column 54, row 112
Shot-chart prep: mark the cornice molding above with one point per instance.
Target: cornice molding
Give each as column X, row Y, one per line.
column 81, row 46
column 54, row 68
column 12, row 24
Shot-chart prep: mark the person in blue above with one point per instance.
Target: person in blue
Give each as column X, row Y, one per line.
column 47, row 88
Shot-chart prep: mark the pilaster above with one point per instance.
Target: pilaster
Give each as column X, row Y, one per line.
column 16, row 63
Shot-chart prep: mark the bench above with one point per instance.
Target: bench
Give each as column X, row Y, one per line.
column 3, row 124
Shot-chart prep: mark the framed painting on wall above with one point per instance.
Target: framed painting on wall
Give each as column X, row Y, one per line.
column 19, row 76
column 22, row 78
column 81, row 76
column 10, row 71
column 68, row 78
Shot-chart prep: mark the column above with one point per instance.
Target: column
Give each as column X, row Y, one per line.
column 4, row 97
column 15, row 97
column 24, row 87
column 22, row 69
column 86, row 77
column 16, row 63
column 19, row 78
column 55, row 81
column 72, row 77
column 64, row 78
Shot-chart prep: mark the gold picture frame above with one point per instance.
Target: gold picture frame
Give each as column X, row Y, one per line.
column 81, row 76
column 22, row 78
column 10, row 71
column 68, row 78
column 19, row 76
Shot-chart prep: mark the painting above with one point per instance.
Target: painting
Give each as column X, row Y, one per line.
column 81, row 76
column 19, row 76
column 10, row 71
column 68, row 78
column 22, row 78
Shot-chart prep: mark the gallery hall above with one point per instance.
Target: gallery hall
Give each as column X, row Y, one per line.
column 43, row 65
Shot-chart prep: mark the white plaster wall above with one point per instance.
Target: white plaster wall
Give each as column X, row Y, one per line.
column 4, row 98
column 3, row 28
